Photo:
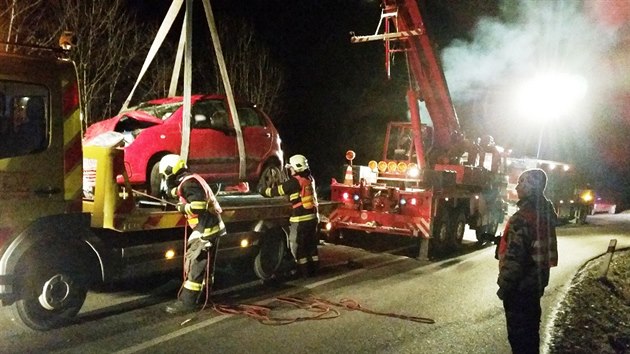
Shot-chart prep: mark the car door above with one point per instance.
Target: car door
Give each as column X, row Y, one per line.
column 213, row 153
column 258, row 135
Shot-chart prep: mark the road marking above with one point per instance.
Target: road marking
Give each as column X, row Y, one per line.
column 180, row 332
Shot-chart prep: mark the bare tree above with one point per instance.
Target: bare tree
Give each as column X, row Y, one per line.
column 111, row 46
column 108, row 42
column 13, row 17
column 253, row 72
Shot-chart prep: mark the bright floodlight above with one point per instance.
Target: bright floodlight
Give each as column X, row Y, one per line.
column 550, row 96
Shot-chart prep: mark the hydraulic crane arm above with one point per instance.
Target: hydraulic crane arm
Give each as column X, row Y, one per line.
column 403, row 26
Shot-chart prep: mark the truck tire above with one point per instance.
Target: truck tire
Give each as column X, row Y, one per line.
column 273, row 246
column 486, row 233
column 51, row 289
column 457, row 228
column 439, row 241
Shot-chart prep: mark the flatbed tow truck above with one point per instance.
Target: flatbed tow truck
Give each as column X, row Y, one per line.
column 67, row 226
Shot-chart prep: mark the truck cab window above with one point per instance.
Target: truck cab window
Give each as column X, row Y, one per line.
column 23, row 119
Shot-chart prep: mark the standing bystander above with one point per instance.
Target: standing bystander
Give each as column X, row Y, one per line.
column 526, row 252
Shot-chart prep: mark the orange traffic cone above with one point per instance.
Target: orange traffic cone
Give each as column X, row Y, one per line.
column 348, row 179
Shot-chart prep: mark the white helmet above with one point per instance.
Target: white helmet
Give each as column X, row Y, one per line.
column 171, row 164
column 298, row 163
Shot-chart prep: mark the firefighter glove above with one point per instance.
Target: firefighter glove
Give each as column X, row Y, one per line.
column 194, row 237
column 181, row 207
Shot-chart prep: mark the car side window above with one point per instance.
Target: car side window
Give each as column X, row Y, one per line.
column 249, row 117
column 210, row 114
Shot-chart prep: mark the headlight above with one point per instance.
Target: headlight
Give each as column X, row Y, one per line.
column 413, row 171
column 587, row 196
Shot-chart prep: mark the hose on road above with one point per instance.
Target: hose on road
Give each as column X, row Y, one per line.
column 323, row 309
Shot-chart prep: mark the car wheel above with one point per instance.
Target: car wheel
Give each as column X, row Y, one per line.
column 155, row 180
column 270, row 176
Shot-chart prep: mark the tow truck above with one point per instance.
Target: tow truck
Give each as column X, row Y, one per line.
column 431, row 180
column 66, row 225
column 572, row 198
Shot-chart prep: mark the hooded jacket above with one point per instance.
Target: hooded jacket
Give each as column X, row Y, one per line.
column 528, row 247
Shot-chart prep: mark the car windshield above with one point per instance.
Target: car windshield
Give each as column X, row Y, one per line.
column 162, row 111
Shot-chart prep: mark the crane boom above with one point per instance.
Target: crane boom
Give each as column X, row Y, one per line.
column 404, row 31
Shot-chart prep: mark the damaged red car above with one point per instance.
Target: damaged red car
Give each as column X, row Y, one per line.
column 152, row 129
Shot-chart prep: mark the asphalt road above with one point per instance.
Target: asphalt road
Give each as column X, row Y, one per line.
column 458, row 293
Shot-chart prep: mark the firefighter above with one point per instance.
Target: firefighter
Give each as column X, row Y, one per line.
column 526, row 252
column 303, row 239
column 203, row 213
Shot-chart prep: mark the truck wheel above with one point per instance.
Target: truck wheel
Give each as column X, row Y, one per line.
column 581, row 217
column 486, row 233
column 271, row 254
column 457, row 229
column 270, row 176
column 439, row 241
column 51, row 291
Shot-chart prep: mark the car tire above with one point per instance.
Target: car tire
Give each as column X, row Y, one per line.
column 155, row 180
column 271, row 176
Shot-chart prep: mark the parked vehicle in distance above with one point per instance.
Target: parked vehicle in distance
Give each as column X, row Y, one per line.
column 152, row 129
column 602, row 205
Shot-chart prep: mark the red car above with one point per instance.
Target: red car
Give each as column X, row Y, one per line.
column 153, row 129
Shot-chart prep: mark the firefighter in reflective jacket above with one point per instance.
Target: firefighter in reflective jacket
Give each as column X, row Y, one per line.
column 303, row 239
column 203, row 213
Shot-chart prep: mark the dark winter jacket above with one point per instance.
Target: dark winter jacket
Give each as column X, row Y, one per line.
column 528, row 247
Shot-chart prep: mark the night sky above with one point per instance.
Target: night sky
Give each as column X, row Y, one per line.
column 337, row 96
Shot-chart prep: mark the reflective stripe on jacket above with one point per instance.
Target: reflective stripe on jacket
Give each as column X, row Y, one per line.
column 302, row 195
column 201, row 207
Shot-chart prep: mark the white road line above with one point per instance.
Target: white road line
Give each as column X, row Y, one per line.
column 156, row 341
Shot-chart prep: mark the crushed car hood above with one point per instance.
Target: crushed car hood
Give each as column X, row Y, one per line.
column 110, row 125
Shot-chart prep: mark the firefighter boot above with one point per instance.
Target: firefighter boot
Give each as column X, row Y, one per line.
column 303, row 270
column 186, row 303
column 313, row 268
